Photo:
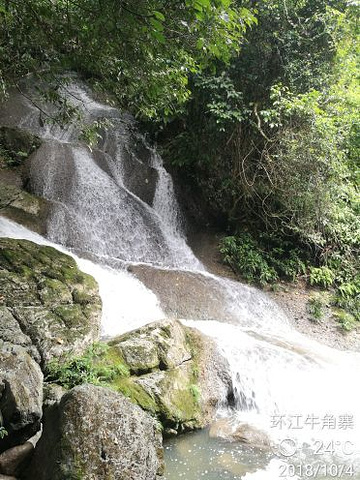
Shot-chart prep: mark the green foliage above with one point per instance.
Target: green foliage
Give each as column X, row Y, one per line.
column 273, row 143
column 92, row 133
column 316, row 307
column 196, row 393
column 3, row 432
column 141, row 52
column 348, row 297
column 264, row 260
column 346, row 320
column 322, row 276
column 94, row 366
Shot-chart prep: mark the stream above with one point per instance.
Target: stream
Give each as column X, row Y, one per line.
column 114, row 210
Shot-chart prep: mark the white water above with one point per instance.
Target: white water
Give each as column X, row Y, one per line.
column 275, row 370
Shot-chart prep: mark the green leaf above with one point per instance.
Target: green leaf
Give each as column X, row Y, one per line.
column 158, row 36
column 157, row 25
column 159, row 16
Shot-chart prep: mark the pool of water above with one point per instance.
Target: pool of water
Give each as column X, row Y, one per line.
column 197, row 456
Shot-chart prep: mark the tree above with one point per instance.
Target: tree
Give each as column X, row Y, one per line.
column 141, row 52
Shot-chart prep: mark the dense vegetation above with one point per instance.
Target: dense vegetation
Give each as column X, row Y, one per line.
column 142, row 52
column 272, row 141
column 256, row 103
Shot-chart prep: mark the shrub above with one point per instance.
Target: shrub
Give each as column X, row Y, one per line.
column 322, row 276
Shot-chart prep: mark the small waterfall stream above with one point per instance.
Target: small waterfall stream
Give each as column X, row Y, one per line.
column 114, row 208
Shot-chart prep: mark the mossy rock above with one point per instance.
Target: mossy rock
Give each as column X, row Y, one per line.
column 55, row 304
column 182, row 395
column 16, row 145
column 95, row 433
column 176, row 373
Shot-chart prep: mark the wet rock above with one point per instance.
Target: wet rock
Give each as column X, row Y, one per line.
column 95, row 433
column 230, row 430
column 20, row 206
column 20, row 395
column 221, row 428
column 55, row 305
column 131, row 160
column 14, row 460
column 192, row 295
column 250, row 435
column 140, row 178
column 18, row 143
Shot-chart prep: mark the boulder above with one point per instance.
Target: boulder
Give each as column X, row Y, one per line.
column 159, row 345
column 250, row 435
column 229, row 429
column 21, row 395
column 192, row 294
column 95, row 433
column 176, row 373
column 16, row 459
column 46, row 300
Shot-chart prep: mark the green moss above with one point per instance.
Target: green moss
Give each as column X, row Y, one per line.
column 54, row 291
column 81, row 297
column 180, row 404
column 136, row 394
column 114, row 356
column 97, row 366
column 71, row 315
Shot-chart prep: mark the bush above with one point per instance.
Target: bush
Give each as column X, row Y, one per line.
column 322, row 276
column 263, row 261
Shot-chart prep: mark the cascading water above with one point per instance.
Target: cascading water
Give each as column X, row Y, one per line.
column 116, row 206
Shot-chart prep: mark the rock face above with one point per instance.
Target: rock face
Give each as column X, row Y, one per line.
column 16, row 146
column 191, row 295
column 177, row 373
column 18, row 205
column 97, row 434
column 47, row 305
column 20, row 395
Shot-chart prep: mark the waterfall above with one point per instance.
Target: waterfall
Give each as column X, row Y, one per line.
column 115, row 202
column 114, row 207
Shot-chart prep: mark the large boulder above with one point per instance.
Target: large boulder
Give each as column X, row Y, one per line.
column 46, row 303
column 21, row 395
column 95, row 433
column 176, row 373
